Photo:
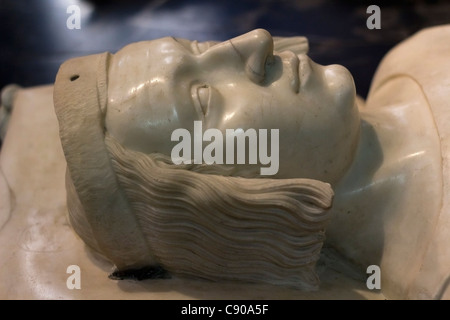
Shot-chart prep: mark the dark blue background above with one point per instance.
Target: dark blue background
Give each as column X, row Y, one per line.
column 35, row 40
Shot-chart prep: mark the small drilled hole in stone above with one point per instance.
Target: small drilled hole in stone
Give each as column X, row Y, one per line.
column 74, row 77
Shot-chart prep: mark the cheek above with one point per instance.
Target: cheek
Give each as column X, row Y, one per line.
column 256, row 107
column 144, row 128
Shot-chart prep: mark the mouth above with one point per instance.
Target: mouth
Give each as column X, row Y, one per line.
column 304, row 68
column 298, row 69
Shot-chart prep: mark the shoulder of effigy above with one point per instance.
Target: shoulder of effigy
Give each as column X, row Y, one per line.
column 423, row 56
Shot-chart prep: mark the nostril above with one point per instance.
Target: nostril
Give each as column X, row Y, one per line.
column 74, row 77
column 257, row 64
column 256, row 69
column 270, row 60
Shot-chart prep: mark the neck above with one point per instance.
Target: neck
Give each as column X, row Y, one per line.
column 395, row 181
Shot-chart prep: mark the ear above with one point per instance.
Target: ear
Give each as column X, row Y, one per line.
column 298, row 45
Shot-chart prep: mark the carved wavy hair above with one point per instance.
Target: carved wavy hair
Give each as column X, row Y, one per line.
column 199, row 221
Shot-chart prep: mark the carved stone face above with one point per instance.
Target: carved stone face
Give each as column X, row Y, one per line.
column 157, row 86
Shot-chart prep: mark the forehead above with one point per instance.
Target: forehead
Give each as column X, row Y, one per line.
column 153, row 49
column 143, row 64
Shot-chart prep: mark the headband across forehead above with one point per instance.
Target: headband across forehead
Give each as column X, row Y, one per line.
column 80, row 98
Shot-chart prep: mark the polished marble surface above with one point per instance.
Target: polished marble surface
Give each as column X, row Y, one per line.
column 35, row 41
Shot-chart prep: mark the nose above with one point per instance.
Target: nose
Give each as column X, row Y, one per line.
column 253, row 50
column 256, row 50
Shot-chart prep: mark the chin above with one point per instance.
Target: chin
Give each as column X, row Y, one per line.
column 340, row 83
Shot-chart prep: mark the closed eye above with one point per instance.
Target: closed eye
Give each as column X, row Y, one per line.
column 201, row 96
column 195, row 47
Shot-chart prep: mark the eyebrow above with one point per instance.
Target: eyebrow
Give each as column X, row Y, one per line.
column 189, row 48
column 192, row 46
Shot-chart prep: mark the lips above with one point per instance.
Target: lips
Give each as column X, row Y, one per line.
column 298, row 69
column 295, row 75
column 304, row 68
